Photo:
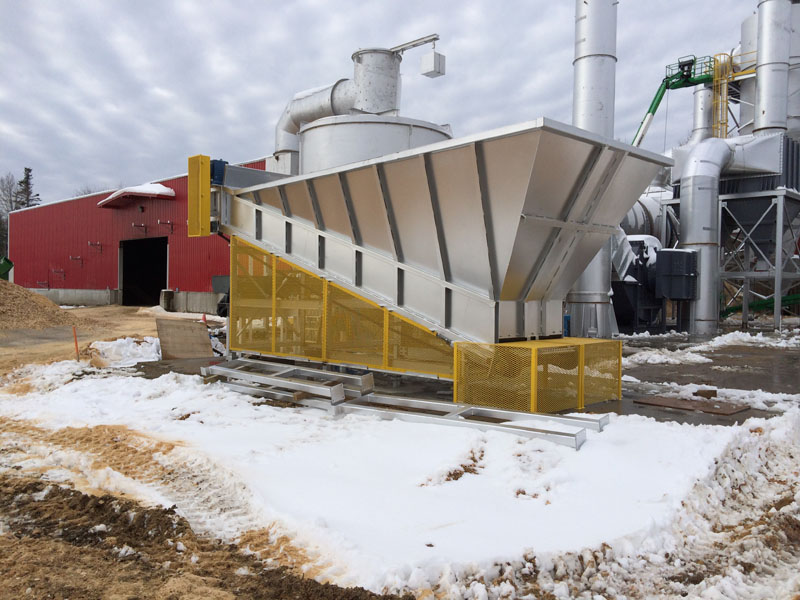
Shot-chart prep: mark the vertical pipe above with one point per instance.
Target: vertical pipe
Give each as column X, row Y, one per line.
column 700, row 227
column 594, row 71
column 778, row 260
column 772, row 66
column 701, row 130
column 595, row 66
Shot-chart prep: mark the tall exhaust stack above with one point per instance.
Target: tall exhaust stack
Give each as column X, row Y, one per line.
column 589, row 300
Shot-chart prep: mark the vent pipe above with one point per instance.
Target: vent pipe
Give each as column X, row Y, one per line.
column 772, row 66
column 589, row 301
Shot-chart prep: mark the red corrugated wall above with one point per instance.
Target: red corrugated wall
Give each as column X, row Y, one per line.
column 43, row 239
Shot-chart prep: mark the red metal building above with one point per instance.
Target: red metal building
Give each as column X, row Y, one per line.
column 125, row 251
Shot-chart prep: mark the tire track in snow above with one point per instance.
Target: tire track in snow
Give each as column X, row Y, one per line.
column 212, row 499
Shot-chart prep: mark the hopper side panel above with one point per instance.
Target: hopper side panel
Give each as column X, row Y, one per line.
column 458, row 189
column 508, row 165
column 370, row 210
column 407, row 184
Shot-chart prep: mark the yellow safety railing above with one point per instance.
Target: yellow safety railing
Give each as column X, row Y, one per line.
column 281, row 309
column 538, row 376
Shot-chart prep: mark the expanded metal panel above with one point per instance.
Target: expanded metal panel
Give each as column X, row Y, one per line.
column 601, row 371
column 354, row 329
column 298, row 311
column 494, row 375
column 412, row 348
column 545, row 376
column 318, row 320
column 557, row 380
column 251, row 285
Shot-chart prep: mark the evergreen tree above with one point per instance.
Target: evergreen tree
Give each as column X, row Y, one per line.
column 8, row 199
column 25, row 195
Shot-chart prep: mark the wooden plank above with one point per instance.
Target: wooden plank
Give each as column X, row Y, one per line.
column 706, row 406
column 183, row 339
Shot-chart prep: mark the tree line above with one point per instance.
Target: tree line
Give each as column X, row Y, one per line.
column 14, row 194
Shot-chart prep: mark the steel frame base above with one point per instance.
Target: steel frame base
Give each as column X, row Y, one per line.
column 341, row 394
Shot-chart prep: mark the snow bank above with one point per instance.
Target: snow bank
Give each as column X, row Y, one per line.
column 662, row 356
column 126, row 352
column 387, row 504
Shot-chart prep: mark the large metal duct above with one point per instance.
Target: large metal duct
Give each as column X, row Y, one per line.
column 772, row 67
column 703, row 121
column 336, row 99
column 747, row 87
column 700, row 226
column 793, row 121
column 589, row 301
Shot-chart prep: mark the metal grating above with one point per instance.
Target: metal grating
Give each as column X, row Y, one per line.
column 496, row 375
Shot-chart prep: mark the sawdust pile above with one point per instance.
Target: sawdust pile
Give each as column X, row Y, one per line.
column 22, row 309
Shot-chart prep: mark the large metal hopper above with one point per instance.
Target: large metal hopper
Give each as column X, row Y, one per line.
column 478, row 238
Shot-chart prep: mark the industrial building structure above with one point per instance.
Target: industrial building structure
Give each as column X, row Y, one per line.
column 376, row 241
column 118, row 247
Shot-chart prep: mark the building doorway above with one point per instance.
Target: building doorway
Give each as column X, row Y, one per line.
column 144, row 271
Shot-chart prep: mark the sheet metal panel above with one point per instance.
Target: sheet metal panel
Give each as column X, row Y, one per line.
column 370, row 210
column 413, row 213
column 332, row 206
column 456, row 177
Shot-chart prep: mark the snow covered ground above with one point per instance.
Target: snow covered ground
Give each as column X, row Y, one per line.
column 393, row 506
column 693, row 354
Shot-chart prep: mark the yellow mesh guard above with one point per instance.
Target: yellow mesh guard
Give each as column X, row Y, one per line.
column 318, row 320
column 538, row 376
column 354, row 331
column 299, row 309
column 601, row 371
column 495, row 375
column 251, row 286
column 412, row 348
column 557, row 378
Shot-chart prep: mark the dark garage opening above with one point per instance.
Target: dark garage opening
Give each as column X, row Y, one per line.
column 144, row 271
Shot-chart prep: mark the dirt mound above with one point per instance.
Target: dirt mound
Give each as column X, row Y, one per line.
column 23, row 309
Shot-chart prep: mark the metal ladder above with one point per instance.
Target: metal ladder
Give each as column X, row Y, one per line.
column 341, row 394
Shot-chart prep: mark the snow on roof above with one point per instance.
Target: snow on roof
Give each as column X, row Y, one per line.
column 149, row 190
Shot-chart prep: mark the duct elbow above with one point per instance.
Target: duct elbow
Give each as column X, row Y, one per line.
column 336, row 99
column 707, row 158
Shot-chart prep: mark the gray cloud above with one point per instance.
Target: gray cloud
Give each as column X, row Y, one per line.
column 102, row 92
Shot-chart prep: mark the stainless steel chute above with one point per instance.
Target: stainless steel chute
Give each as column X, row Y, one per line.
column 477, row 238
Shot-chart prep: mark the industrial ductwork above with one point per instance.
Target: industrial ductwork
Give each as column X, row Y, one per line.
column 772, row 66
column 700, row 232
column 589, row 300
column 703, row 122
column 374, row 89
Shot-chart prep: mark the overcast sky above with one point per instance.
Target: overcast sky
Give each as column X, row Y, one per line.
column 104, row 93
